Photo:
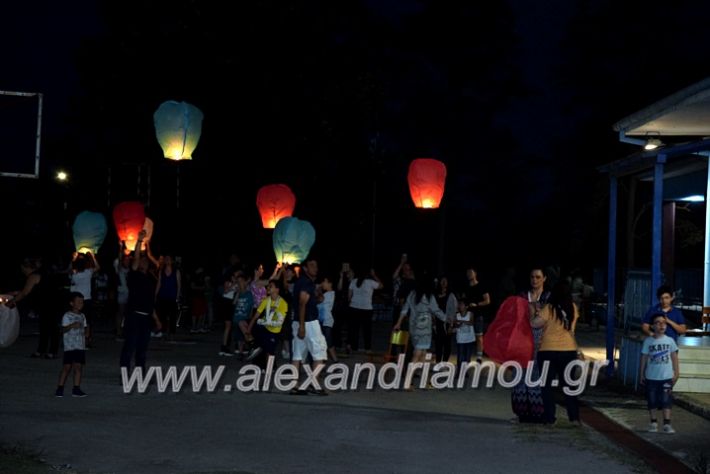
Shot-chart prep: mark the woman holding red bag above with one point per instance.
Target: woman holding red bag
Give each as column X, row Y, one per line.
column 527, row 401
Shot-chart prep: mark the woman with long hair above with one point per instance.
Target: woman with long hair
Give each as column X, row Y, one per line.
column 558, row 347
column 527, row 401
column 360, row 298
column 421, row 309
column 446, row 300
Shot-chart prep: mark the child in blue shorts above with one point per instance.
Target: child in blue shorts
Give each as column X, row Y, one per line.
column 659, row 372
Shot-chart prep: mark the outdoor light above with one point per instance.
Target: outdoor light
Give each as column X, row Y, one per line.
column 293, row 239
column 426, row 179
column 89, row 231
column 129, row 219
column 178, row 126
column 694, row 198
column 62, row 176
column 652, row 144
column 274, row 201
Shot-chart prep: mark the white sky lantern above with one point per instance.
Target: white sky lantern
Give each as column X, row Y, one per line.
column 178, row 126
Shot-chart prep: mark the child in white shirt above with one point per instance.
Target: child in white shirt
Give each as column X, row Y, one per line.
column 325, row 315
column 465, row 334
column 75, row 332
column 659, row 372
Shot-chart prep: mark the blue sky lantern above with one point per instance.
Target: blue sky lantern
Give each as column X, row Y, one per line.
column 89, row 231
column 293, row 239
column 178, row 126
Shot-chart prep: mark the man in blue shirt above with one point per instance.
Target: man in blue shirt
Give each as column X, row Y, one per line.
column 307, row 335
column 674, row 318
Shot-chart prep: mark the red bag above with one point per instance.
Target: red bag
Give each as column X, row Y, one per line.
column 509, row 337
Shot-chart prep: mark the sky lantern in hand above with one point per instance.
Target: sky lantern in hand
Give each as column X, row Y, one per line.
column 89, row 230
column 426, row 179
column 293, row 239
column 178, row 126
column 129, row 219
column 274, row 201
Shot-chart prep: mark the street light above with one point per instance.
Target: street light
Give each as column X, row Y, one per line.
column 62, row 176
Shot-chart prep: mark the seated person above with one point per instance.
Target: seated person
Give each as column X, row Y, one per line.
column 266, row 324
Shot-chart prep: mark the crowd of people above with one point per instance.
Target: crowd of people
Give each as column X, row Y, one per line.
column 302, row 316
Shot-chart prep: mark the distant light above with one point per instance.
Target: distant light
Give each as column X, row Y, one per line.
column 62, row 176
column 694, row 198
column 652, row 144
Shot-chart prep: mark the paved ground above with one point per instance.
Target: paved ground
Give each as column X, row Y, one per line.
column 378, row 431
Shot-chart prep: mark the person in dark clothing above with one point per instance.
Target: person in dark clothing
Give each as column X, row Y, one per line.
column 168, row 295
column 478, row 298
column 140, row 315
column 443, row 327
column 340, row 308
column 39, row 295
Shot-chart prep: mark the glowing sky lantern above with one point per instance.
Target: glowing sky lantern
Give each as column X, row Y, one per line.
column 129, row 219
column 89, row 230
column 293, row 239
column 274, row 201
column 178, row 126
column 426, row 179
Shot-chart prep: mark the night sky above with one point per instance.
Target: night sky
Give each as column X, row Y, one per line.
column 335, row 99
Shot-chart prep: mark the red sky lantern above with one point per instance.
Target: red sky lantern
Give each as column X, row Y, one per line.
column 129, row 218
column 426, row 179
column 274, row 201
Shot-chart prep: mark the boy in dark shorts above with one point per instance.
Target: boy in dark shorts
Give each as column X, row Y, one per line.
column 659, row 372
column 75, row 332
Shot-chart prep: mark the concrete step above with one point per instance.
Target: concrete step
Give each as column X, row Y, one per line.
column 694, row 353
column 694, row 367
column 697, row 384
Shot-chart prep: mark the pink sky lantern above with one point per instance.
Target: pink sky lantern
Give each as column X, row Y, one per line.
column 426, row 179
column 129, row 219
column 274, row 201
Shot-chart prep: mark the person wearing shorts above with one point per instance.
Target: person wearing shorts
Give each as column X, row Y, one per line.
column 307, row 335
column 75, row 331
column 659, row 372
